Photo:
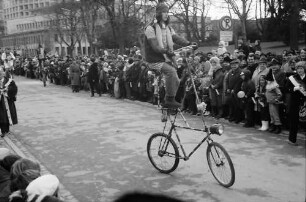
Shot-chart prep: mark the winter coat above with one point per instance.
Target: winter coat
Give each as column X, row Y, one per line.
column 233, row 80
column 11, row 98
column 93, row 73
column 248, row 86
column 75, row 74
column 217, row 80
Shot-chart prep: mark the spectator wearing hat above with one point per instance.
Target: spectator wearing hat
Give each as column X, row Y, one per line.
column 262, row 69
column 273, row 95
column 297, row 100
column 248, row 87
column 280, row 78
column 93, row 77
column 226, row 66
column 233, row 86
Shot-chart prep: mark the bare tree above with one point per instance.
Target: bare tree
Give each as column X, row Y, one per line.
column 242, row 13
column 66, row 22
column 124, row 17
column 89, row 16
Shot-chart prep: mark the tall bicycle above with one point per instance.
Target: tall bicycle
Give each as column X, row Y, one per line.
column 164, row 153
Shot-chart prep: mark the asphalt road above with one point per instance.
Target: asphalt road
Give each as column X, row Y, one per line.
column 97, row 148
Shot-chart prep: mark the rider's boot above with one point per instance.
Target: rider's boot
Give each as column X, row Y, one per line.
column 171, row 103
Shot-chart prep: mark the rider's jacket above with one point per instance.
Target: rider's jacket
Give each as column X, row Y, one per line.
column 152, row 56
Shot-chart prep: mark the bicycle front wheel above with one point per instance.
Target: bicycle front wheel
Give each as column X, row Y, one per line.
column 163, row 153
column 220, row 164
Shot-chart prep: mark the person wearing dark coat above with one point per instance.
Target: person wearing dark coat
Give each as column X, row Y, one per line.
column 8, row 112
column 297, row 100
column 217, row 88
column 93, row 77
column 233, row 85
column 248, row 87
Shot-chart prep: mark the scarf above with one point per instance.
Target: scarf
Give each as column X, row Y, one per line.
column 159, row 37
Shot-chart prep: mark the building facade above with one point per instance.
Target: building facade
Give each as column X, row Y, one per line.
column 26, row 30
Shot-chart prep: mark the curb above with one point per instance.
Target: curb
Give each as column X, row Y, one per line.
column 16, row 147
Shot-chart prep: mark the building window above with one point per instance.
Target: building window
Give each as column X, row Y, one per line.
column 47, row 4
column 26, row 13
column 41, row 4
column 36, row 5
column 21, row 14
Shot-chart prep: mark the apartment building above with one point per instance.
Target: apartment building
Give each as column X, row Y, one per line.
column 26, row 29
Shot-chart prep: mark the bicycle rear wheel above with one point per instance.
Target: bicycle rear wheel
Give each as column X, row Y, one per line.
column 163, row 153
column 220, row 164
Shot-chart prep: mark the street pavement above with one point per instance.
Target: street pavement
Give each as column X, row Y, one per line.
column 97, row 148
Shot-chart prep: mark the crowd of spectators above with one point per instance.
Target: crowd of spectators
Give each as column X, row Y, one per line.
column 248, row 85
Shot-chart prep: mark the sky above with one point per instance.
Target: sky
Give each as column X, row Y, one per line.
column 219, row 9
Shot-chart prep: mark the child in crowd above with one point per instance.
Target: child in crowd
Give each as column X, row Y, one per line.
column 262, row 105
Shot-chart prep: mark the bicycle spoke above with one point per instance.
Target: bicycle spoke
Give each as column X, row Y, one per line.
column 220, row 164
column 162, row 153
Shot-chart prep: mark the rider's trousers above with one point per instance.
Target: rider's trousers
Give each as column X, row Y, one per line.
column 172, row 80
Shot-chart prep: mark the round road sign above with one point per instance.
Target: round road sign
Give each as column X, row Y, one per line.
column 226, row 23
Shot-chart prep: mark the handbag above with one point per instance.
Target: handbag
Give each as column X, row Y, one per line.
column 302, row 113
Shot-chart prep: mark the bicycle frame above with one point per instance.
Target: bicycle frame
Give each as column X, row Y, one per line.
column 187, row 127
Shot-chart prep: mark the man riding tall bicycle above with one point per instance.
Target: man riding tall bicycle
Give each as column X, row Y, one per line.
column 159, row 52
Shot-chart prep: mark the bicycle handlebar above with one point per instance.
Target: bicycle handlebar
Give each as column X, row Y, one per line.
column 185, row 49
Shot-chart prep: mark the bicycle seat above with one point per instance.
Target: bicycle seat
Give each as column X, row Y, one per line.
column 171, row 111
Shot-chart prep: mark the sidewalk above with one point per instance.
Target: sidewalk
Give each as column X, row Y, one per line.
column 11, row 143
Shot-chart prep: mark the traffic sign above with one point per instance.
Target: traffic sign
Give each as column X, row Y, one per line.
column 226, row 23
column 226, row 35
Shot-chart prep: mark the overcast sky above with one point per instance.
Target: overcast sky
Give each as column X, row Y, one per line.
column 219, row 9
